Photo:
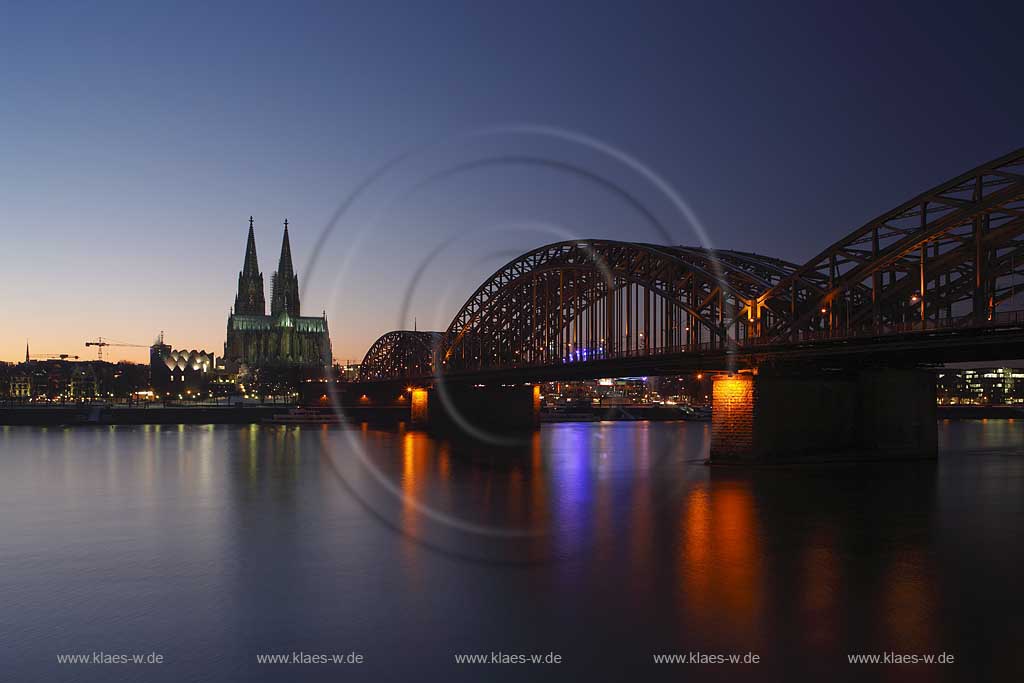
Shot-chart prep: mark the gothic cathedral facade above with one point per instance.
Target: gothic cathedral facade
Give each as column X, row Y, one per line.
column 285, row 338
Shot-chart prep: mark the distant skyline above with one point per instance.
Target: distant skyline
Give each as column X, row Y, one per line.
column 138, row 139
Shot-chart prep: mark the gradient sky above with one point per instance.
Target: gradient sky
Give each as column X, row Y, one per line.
column 136, row 139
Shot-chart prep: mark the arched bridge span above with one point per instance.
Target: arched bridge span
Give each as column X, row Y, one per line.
column 943, row 264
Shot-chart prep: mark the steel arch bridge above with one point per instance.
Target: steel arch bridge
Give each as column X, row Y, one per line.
column 401, row 354
column 946, row 261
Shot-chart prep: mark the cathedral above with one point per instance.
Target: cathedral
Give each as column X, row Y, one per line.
column 283, row 339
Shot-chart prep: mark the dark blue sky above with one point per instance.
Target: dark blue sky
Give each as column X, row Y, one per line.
column 137, row 139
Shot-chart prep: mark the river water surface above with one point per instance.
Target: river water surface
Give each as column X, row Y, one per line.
column 603, row 543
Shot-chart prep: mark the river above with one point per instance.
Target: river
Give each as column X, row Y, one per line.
column 602, row 543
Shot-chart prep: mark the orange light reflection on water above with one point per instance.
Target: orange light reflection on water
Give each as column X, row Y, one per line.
column 720, row 562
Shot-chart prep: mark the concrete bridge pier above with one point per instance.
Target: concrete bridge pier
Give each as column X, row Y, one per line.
column 779, row 417
column 466, row 408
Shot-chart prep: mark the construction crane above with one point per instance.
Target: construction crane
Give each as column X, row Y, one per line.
column 58, row 356
column 101, row 342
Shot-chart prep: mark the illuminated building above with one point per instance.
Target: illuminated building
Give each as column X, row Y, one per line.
column 349, row 372
column 21, row 385
column 670, row 390
column 83, row 383
column 980, row 386
column 285, row 339
column 622, row 390
column 64, row 380
column 184, row 373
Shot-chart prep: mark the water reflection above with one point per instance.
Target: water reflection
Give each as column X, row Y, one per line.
column 908, row 600
column 227, row 540
column 819, row 598
column 720, row 570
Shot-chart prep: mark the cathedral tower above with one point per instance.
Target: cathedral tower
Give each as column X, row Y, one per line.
column 284, row 296
column 250, row 299
column 260, row 347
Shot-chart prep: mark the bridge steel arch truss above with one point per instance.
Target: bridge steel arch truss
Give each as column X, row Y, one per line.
column 949, row 256
column 587, row 300
column 401, row 354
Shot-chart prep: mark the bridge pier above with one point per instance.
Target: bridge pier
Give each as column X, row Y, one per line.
column 805, row 417
column 467, row 408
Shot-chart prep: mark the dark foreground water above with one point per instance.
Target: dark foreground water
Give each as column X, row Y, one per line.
column 603, row 543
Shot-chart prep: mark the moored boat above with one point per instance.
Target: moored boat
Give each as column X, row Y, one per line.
column 300, row 416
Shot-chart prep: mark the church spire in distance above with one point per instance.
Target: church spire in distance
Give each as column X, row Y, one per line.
column 250, row 299
column 251, row 267
column 284, row 297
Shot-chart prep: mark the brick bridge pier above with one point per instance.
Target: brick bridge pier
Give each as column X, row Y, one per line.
column 776, row 417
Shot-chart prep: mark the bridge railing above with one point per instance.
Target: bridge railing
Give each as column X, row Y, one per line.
column 703, row 347
column 997, row 319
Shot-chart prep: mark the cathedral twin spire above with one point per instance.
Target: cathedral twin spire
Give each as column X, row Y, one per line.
column 284, row 297
column 250, row 299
